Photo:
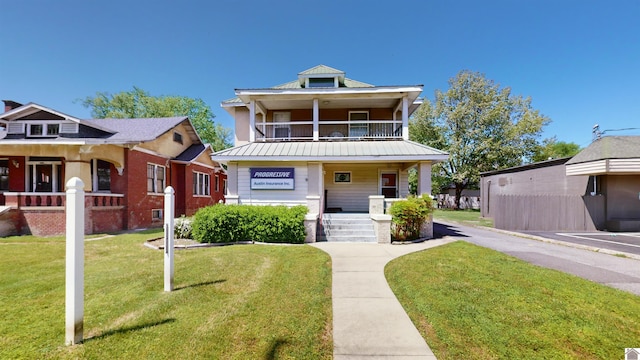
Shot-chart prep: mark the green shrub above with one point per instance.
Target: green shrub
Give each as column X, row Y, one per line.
column 182, row 228
column 408, row 216
column 231, row 223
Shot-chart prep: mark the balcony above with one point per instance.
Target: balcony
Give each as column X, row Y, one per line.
column 329, row 130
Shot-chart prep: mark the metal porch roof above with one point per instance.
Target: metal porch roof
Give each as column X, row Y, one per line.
column 376, row 151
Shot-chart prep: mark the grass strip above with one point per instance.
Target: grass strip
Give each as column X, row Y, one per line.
column 467, row 216
column 475, row 303
column 232, row 302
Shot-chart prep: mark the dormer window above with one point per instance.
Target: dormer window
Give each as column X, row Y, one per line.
column 43, row 130
column 322, row 82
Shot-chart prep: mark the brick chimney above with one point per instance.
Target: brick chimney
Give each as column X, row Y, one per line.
column 10, row 105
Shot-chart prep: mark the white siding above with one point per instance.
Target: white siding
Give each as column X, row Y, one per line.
column 365, row 181
column 404, row 183
column 298, row 196
column 624, row 165
column 590, row 168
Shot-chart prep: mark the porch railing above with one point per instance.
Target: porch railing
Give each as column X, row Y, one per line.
column 33, row 199
column 330, row 130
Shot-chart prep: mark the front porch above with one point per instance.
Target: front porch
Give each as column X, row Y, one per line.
column 43, row 214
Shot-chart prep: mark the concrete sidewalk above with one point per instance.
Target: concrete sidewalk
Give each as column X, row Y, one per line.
column 368, row 320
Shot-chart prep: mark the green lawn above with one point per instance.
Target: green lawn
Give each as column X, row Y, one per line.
column 467, row 217
column 232, row 302
column 474, row 303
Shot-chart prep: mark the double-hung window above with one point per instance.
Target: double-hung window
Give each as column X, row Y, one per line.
column 201, row 183
column 155, row 178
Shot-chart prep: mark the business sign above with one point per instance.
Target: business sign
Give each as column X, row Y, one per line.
column 272, row 179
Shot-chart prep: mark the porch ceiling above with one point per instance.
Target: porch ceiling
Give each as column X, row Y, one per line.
column 330, row 98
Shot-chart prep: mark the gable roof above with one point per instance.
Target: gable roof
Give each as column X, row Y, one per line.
column 114, row 131
column 321, row 69
column 609, row 147
column 376, row 151
column 142, row 129
column 32, row 108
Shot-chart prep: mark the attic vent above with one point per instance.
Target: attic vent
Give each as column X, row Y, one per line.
column 15, row 128
column 69, row 128
column 177, row 137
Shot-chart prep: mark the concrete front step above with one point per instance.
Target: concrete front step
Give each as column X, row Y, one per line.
column 349, row 238
column 345, row 227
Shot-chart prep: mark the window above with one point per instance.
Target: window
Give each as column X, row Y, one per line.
column 4, row 175
column 156, row 214
column 177, row 137
column 35, row 130
column 224, row 186
column 321, row 82
column 280, row 130
column 53, row 129
column 41, row 130
column 201, row 183
column 357, row 129
column 155, row 178
column 343, row 177
column 217, row 187
column 103, row 175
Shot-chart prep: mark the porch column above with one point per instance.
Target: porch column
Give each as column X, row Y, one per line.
column 232, row 183
column 80, row 169
column 314, row 187
column 252, row 121
column 405, row 118
column 424, row 177
column 316, row 120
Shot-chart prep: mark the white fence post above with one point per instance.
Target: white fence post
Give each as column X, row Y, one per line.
column 74, row 279
column 169, row 200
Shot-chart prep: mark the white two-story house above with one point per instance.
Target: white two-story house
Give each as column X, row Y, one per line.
column 331, row 143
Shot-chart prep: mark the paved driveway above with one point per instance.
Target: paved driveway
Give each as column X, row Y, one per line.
column 619, row 272
column 622, row 242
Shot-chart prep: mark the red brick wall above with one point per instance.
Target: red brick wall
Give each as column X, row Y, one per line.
column 139, row 203
column 43, row 222
column 107, row 220
column 193, row 203
column 218, row 196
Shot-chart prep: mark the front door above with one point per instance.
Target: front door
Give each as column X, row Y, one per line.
column 44, row 177
column 389, row 184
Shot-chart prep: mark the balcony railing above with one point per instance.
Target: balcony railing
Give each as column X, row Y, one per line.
column 330, row 130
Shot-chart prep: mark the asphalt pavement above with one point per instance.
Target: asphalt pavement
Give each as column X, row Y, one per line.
column 587, row 261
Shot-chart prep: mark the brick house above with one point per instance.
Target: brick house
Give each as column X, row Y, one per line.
column 125, row 165
column 337, row 145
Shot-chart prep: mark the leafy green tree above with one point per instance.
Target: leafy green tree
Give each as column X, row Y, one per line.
column 137, row 103
column 554, row 149
column 482, row 126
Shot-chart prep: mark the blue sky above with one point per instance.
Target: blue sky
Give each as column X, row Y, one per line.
column 578, row 60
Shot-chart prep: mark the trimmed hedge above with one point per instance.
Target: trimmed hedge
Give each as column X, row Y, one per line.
column 222, row 223
column 408, row 216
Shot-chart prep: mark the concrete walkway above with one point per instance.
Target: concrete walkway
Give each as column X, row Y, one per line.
column 368, row 320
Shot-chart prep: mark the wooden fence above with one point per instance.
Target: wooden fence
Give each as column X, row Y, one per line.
column 548, row 212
